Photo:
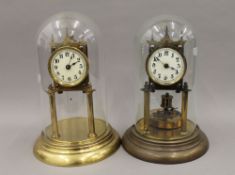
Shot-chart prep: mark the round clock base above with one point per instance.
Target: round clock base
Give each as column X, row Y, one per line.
column 156, row 150
column 61, row 152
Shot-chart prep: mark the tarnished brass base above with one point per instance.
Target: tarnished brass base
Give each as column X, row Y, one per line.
column 73, row 147
column 164, row 147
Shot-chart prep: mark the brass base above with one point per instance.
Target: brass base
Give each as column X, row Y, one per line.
column 73, row 147
column 172, row 150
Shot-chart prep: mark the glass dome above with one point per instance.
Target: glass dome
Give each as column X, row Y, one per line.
column 165, row 130
column 72, row 97
column 167, row 32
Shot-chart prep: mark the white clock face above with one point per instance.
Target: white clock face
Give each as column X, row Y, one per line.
column 68, row 67
column 166, row 66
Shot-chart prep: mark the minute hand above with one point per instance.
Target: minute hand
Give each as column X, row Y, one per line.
column 160, row 61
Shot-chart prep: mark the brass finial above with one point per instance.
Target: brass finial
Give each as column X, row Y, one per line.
column 167, row 33
column 166, row 41
column 52, row 43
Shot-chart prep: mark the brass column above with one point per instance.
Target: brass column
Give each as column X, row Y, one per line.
column 146, row 109
column 184, row 109
column 90, row 111
column 54, row 124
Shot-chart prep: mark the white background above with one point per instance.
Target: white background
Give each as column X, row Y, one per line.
column 20, row 121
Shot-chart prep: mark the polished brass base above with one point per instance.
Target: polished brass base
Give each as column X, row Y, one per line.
column 165, row 146
column 73, row 147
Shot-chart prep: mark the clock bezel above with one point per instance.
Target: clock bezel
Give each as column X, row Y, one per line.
column 156, row 81
column 57, row 80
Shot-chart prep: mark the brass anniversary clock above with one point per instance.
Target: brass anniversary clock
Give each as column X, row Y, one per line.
column 69, row 69
column 165, row 131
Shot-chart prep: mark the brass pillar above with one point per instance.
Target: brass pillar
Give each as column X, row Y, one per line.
column 90, row 112
column 184, row 110
column 146, row 109
column 55, row 131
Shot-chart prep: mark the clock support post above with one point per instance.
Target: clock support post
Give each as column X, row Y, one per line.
column 184, row 107
column 146, row 109
column 90, row 110
column 54, row 123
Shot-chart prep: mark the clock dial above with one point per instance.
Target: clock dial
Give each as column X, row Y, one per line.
column 68, row 67
column 166, row 66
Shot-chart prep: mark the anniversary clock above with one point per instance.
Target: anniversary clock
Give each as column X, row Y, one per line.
column 77, row 132
column 165, row 130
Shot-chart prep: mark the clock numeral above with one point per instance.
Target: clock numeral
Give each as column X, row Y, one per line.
column 178, row 65
column 155, row 59
column 153, row 65
column 159, row 54
column 57, row 60
column 69, row 78
column 62, row 77
column 166, row 53
column 165, row 78
column 154, row 72
column 58, row 73
column 79, row 72
column 67, row 54
column 78, row 59
column 177, row 59
column 72, row 56
column 75, row 77
column 172, row 76
column 172, row 55
column 61, row 55
column 159, row 75
column 177, row 72
column 55, row 67
column 81, row 66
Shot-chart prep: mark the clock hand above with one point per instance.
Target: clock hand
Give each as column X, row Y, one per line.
column 160, row 61
column 74, row 63
column 172, row 68
column 68, row 66
column 70, row 60
column 165, row 65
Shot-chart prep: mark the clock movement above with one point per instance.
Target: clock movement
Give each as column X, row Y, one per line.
column 165, row 130
column 77, row 132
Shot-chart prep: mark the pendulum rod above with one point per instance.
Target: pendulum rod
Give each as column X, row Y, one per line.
column 90, row 111
column 54, row 123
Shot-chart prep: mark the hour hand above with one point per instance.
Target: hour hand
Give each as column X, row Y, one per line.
column 74, row 63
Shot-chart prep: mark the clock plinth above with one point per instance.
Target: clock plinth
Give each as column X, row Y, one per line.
column 165, row 146
column 73, row 147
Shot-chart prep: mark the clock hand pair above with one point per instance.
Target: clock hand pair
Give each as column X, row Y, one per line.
column 68, row 66
column 166, row 65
